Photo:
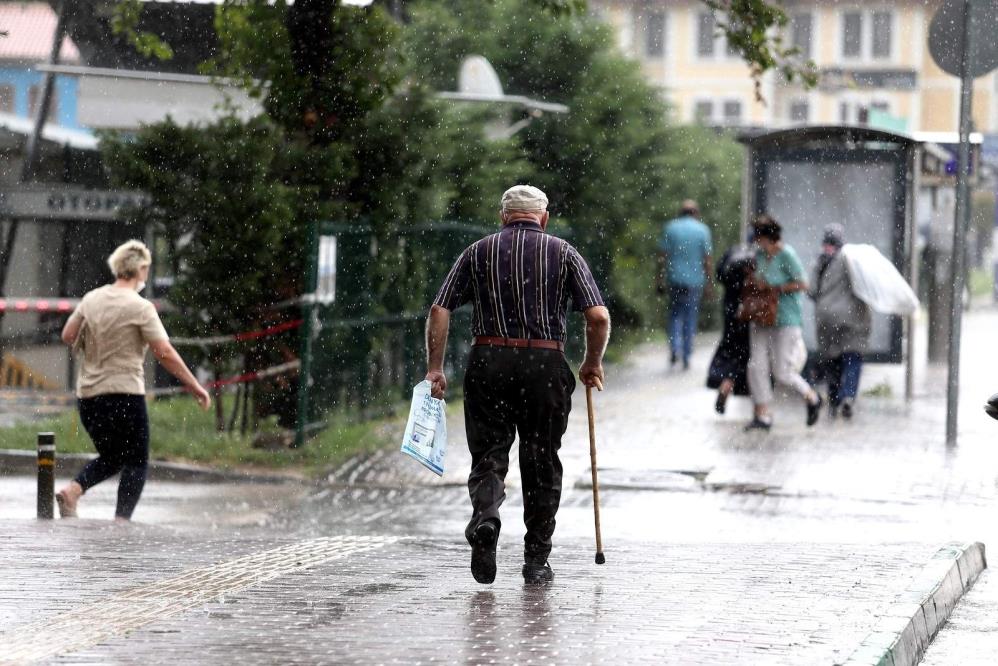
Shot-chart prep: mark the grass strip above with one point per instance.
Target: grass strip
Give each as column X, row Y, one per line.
column 180, row 432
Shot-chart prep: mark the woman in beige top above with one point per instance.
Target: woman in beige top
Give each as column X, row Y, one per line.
column 112, row 326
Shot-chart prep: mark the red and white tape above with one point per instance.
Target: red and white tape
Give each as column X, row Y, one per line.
column 238, row 337
column 63, row 305
column 60, row 305
column 272, row 371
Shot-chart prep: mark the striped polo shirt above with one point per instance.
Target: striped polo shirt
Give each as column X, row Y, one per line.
column 519, row 282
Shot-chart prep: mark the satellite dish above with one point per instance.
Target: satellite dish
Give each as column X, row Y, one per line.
column 477, row 77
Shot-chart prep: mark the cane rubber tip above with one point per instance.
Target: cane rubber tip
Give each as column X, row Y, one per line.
column 600, row 559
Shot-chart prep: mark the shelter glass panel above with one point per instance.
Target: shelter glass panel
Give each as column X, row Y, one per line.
column 805, row 193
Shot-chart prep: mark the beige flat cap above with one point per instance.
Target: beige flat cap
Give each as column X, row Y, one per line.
column 524, row 197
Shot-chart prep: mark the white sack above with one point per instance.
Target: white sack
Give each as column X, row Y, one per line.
column 876, row 281
column 425, row 437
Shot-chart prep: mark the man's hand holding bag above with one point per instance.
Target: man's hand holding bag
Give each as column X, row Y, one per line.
column 759, row 302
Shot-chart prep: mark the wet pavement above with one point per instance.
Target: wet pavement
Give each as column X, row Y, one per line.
column 722, row 547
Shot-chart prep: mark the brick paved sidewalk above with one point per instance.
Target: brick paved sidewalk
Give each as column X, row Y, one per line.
column 822, row 529
column 99, row 590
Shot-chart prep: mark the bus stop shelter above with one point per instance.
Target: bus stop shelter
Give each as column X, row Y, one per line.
column 863, row 178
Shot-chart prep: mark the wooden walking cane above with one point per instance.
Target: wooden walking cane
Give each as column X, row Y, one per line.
column 600, row 559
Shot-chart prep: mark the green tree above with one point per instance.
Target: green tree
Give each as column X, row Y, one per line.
column 612, row 167
column 224, row 218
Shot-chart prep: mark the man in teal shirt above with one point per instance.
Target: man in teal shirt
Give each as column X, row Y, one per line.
column 685, row 250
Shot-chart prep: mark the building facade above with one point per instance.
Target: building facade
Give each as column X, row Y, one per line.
column 30, row 27
column 872, row 57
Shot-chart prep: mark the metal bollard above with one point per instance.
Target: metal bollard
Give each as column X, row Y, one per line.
column 46, row 475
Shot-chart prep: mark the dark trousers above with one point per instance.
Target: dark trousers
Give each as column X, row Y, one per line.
column 119, row 427
column 843, row 377
column 508, row 391
column 684, row 309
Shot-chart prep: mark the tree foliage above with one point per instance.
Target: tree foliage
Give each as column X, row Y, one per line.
column 613, row 168
column 754, row 28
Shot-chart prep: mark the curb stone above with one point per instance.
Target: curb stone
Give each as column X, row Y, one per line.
column 909, row 624
column 15, row 461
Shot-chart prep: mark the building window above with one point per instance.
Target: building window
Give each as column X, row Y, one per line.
column 883, row 22
column 867, row 35
column 801, row 26
column 799, row 111
column 852, row 34
column 35, row 98
column 655, row 35
column 6, row 98
column 733, row 112
column 711, row 42
column 718, row 112
column 706, row 26
column 703, row 112
column 857, row 111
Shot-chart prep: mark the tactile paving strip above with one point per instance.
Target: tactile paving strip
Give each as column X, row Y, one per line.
column 138, row 607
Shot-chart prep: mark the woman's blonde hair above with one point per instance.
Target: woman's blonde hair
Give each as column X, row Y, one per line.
column 128, row 258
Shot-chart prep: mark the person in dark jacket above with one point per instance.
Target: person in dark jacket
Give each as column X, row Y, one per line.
column 728, row 368
column 842, row 323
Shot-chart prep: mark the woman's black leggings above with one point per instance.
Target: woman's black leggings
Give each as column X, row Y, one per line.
column 119, row 427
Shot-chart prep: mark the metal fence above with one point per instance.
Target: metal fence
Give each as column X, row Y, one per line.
column 362, row 342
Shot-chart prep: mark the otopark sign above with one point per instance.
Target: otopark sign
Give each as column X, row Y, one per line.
column 68, row 203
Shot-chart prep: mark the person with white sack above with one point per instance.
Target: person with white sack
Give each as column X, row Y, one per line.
column 856, row 279
column 842, row 323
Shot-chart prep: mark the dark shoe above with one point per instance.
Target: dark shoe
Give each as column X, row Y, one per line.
column 721, row 404
column 537, row 574
column 814, row 411
column 992, row 406
column 758, row 424
column 847, row 410
column 686, row 364
column 673, row 359
column 483, row 552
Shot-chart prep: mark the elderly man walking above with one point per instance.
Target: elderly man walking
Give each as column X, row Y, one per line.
column 685, row 256
column 519, row 282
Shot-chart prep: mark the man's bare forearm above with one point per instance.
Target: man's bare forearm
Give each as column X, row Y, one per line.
column 437, row 326
column 597, row 334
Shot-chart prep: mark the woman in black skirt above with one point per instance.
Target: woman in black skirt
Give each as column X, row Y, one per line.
column 727, row 371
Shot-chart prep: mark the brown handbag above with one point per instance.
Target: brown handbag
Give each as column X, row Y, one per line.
column 759, row 302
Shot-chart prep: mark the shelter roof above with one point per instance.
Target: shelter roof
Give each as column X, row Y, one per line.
column 816, row 134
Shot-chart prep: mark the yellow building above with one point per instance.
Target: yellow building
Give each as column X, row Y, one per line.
column 873, row 59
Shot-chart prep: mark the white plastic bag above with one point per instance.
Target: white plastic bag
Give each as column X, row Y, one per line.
column 425, row 436
column 876, row 281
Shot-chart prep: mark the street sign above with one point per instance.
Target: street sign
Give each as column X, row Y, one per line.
column 68, row 203
column 946, row 37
